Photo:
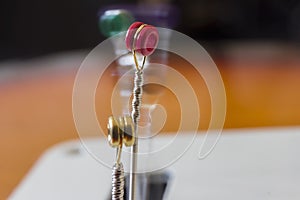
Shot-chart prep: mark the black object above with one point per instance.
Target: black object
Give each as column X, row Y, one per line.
column 31, row 28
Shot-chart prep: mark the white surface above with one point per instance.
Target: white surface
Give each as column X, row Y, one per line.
column 258, row 164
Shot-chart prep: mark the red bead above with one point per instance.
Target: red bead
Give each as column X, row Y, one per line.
column 130, row 34
column 146, row 41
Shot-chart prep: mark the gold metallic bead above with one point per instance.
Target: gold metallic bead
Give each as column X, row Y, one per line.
column 120, row 131
column 114, row 136
column 128, row 131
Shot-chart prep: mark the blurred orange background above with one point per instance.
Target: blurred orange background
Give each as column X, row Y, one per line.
column 36, row 102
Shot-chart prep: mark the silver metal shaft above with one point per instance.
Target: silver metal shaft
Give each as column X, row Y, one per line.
column 136, row 104
column 133, row 174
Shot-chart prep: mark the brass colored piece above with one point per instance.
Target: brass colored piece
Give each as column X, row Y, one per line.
column 128, row 134
column 114, row 137
column 120, row 131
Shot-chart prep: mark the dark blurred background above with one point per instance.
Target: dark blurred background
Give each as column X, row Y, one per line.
column 38, row 27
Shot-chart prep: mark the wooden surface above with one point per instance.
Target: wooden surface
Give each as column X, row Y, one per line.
column 36, row 108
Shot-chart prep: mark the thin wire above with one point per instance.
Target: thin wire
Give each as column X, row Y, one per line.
column 135, row 37
column 138, row 68
column 118, row 156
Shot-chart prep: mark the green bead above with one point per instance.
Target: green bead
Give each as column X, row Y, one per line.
column 115, row 21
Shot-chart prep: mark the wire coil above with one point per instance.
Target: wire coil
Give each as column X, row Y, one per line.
column 118, row 182
column 137, row 96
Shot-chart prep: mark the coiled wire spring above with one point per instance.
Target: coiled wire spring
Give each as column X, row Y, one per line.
column 137, row 96
column 118, row 182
